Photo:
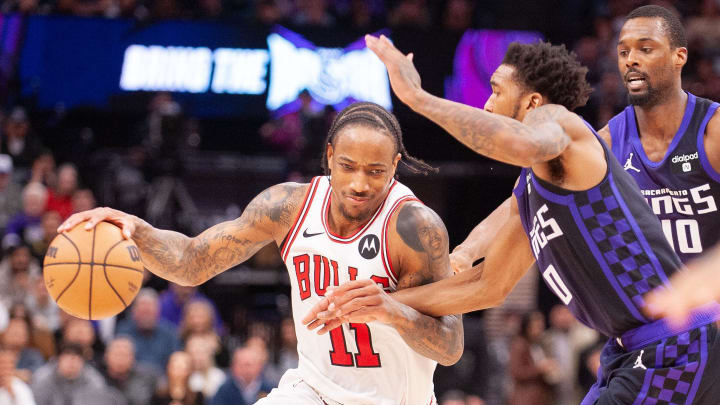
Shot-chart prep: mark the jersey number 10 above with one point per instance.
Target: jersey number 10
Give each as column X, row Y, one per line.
column 366, row 356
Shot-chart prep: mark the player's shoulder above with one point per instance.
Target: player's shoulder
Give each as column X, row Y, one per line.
column 281, row 202
column 604, row 133
column 573, row 125
column 713, row 125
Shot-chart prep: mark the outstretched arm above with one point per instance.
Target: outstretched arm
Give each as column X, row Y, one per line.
column 419, row 249
column 192, row 261
column 486, row 285
column 492, row 135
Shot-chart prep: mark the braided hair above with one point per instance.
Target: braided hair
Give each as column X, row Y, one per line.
column 373, row 116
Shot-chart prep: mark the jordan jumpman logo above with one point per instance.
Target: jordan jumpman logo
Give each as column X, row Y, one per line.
column 628, row 164
column 638, row 361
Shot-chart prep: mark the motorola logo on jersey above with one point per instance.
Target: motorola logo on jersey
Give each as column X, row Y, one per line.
column 369, row 246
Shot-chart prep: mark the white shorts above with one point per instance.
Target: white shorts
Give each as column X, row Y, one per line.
column 292, row 389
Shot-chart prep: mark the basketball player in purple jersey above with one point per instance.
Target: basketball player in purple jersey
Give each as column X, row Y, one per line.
column 669, row 141
column 575, row 212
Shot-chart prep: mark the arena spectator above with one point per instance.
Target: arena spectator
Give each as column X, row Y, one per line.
column 565, row 339
column 532, row 369
column 154, row 338
column 45, row 312
column 206, row 377
column 17, row 338
column 83, row 200
column 60, row 198
column 43, row 169
column 17, row 272
column 10, row 193
column 19, row 141
column 410, row 14
column 245, row 384
column 136, row 382
column 26, row 227
column 70, row 380
column 175, row 388
column 287, row 357
column 80, row 332
column 49, row 223
column 458, row 15
column 13, row 391
column 176, row 299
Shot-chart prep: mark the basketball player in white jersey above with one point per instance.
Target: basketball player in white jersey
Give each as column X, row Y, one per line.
column 357, row 223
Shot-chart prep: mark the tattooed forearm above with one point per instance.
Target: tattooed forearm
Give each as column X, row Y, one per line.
column 422, row 230
column 192, row 261
column 440, row 339
column 496, row 136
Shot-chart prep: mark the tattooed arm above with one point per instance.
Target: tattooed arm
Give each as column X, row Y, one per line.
column 192, row 261
column 422, row 231
column 418, row 244
column 495, row 136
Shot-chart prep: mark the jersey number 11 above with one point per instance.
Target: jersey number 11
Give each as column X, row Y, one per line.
column 366, row 356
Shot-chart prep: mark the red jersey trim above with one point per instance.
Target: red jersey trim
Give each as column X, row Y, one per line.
column 387, row 262
column 307, row 202
column 360, row 231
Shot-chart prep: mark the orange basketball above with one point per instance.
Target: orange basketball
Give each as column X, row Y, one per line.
column 93, row 274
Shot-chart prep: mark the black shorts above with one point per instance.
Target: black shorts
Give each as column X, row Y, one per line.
column 680, row 369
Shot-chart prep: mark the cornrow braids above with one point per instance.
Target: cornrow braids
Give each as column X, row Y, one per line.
column 373, row 116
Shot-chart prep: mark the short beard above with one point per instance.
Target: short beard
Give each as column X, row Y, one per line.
column 361, row 217
column 515, row 112
column 650, row 98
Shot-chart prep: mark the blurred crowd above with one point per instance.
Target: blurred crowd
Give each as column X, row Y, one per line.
column 174, row 345
column 359, row 14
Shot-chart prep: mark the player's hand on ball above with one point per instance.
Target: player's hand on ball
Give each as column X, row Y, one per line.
column 360, row 301
column 404, row 78
column 126, row 222
column 460, row 262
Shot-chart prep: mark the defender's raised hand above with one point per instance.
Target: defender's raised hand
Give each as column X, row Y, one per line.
column 404, row 78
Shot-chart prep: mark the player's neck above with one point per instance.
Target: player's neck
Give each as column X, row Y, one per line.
column 662, row 120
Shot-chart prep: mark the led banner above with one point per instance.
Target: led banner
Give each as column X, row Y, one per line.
column 477, row 56
column 212, row 69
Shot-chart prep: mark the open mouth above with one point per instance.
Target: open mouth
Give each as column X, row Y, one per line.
column 635, row 81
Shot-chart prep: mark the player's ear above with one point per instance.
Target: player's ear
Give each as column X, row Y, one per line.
column 680, row 57
column 534, row 101
column 329, row 153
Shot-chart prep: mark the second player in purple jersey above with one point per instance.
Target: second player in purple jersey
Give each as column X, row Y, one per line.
column 683, row 189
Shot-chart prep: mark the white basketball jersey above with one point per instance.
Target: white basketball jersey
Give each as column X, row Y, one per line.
column 356, row 363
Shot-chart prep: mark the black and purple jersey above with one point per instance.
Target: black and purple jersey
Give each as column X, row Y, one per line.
column 600, row 250
column 682, row 189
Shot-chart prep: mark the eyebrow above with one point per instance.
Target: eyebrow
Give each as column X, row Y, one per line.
column 348, row 160
column 643, row 39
